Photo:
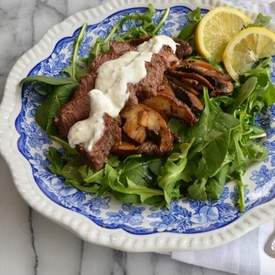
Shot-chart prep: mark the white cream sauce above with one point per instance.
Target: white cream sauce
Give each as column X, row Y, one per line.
column 111, row 93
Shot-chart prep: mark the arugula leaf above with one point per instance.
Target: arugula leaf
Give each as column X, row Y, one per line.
column 197, row 190
column 246, row 89
column 113, row 161
column 215, row 185
column 146, row 22
column 69, row 150
column 81, row 68
column 50, row 80
column 209, row 188
column 143, row 26
column 241, row 200
column 261, row 21
column 136, row 169
column 47, row 111
column 98, row 47
column 89, row 176
column 150, row 12
column 77, row 68
column 71, row 174
column 171, row 173
column 265, row 89
column 130, row 188
column 245, row 147
column 144, row 192
column 269, row 94
column 177, row 128
column 56, row 161
column 146, row 26
column 161, row 22
column 155, row 165
column 74, row 172
column 188, row 30
column 76, row 49
column 108, row 179
column 209, row 142
column 126, row 198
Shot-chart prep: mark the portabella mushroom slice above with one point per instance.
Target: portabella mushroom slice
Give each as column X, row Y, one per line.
column 178, row 84
column 203, row 68
column 165, row 88
column 132, row 115
column 140, row 120
column 124, row 149
column 221, row 82
column 171, row 107
column 194, row 76
column 194, row 102
column 190, row 97
column 147, row 148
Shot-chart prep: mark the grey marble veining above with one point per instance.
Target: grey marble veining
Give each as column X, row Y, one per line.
column 15, row 237
column 29, row 243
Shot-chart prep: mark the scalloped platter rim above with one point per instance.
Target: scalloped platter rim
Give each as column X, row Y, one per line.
column 187, row 224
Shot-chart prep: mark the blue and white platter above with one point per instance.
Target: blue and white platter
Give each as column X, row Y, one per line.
column 103, row 220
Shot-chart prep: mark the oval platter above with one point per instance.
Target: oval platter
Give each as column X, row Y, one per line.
column 103, row 220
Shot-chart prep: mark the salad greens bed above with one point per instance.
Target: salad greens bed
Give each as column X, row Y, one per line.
column 219, row 148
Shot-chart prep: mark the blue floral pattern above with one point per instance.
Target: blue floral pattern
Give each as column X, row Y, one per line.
column 184, row 216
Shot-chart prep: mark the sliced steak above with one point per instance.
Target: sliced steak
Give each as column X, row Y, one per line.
column 116, row 50
column 77, row 108
column 160, row 62
column 184, row 49
column 112, row 134
column 137, row 41
column 170, row 59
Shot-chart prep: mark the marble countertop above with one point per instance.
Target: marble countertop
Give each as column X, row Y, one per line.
column 29, row 243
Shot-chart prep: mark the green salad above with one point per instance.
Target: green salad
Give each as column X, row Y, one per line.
column 219, row 148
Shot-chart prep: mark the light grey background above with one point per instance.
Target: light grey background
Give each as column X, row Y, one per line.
column 29, row 243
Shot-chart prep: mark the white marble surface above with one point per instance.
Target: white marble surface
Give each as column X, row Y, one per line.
column 29, row 243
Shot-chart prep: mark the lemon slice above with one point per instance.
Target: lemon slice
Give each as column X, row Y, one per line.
column 216, row 29
column 246, row 48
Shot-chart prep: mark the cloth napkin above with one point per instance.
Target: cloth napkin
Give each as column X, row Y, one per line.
column 246, row 255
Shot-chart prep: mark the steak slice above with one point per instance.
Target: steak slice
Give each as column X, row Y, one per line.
column 184, row 49
column 78, row 108
column 111, row 135
column 116, row 50
column 160, row 62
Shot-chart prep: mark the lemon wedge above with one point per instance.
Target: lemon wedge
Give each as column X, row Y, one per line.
column 216, row 29
column 246, row 48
